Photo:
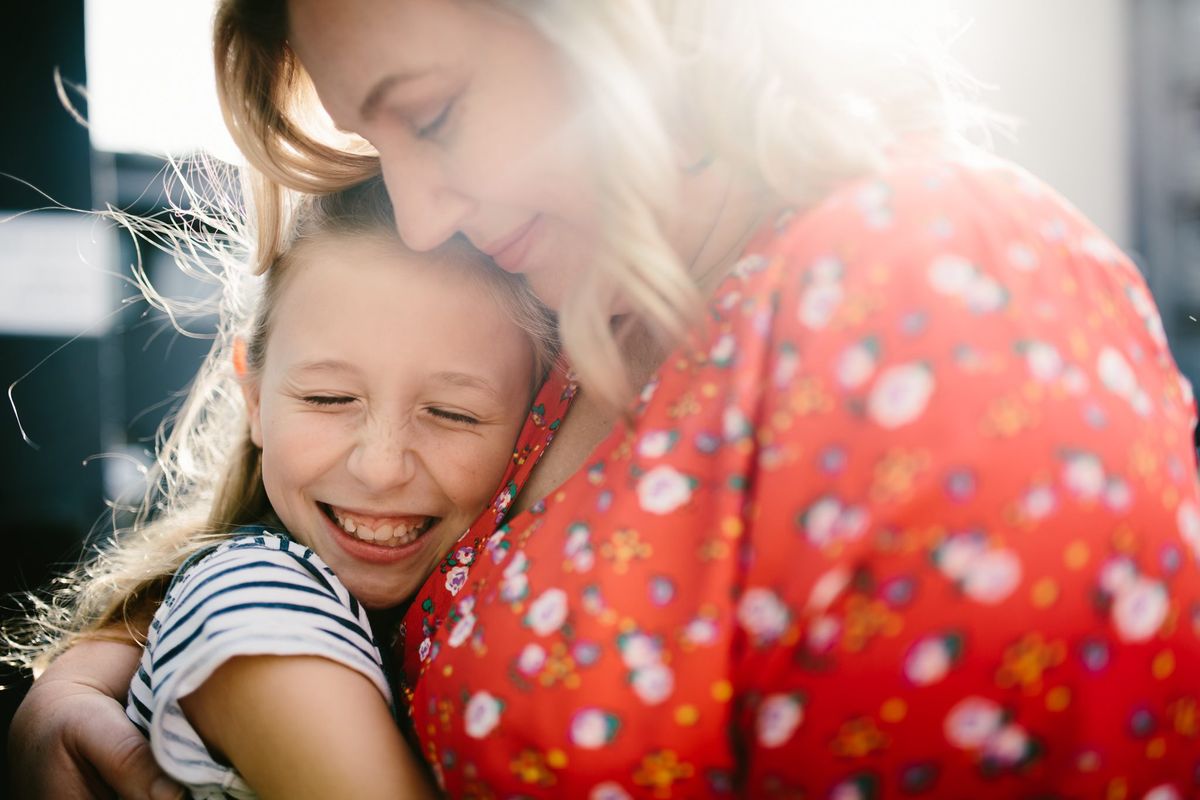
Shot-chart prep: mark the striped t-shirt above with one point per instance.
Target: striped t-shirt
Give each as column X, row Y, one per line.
column 258, row 593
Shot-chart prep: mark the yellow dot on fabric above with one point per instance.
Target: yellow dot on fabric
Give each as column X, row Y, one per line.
column 709, row 390
column 722, row 690
column 1156, row 747
column 556, row 758
column 1163, row 665
column 627, row 625
column 893, row 710
column 1118, row 789
column 560, row 496
column 687, row 715
column 1058, row 698
column 447, row 670
column 1170, row 497
column 1088, row 761
column 1044, row 593
column 731, row 527
column 1076, row 555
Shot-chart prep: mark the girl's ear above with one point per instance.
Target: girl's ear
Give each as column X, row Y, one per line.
column 250, row 389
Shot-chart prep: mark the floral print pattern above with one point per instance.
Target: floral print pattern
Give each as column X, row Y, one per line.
column 917, row 514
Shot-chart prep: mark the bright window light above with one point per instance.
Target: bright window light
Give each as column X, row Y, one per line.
column 150, row 80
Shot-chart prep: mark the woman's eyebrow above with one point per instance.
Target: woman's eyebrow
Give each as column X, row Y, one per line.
column 378, row 92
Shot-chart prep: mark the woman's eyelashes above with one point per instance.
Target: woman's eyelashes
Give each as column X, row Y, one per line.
column 434, row 126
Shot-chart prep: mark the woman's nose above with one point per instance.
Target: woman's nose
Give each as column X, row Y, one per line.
column 383, row 458
column 428, row 208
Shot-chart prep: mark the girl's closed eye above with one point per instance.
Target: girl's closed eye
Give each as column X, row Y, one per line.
column 327, row 400
column 452, row 416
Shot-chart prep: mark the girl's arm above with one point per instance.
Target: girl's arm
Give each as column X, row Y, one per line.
column 71, row 738
column 304, row 726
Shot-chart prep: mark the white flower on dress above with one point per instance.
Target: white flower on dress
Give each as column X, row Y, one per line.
column 734, row 424
column 1022, row 257
column 823, row 633
column 1044, row 361
column 578, row 548
column 1187, row 517
column 456, row 578
column 763, row 615
column 701, row 632
column 1075, row 380
column 856, row 365
column 1115, row 373
column 656, row 444
column 424, row 650
column 653, row 684
column 639, row 650
column 951, row 275
column 986, row 295
column 778, row 718
column 548, row 612
column 723, row 350
column 828, row 588
column 819, row 304
column 786, row 365
column 462, row 630
column 531, row 659
column 928, row 661
column 592, row 728
column 827, row 521
column 1008, row 746
column 972, row 722
column 1038, row 502
column 955, row 556
column 609, row 790
column 664, row 489
column 992, row 577
column 1139, row 610
column 1163, row 792
column 1117, row 575
column 900, row 395
column 1083, row 475
column 1117, row 495
column 482, row 714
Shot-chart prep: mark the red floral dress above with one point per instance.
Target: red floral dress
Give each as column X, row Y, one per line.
column 916, row 514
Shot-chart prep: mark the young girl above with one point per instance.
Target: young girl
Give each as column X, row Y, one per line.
column 383, row 393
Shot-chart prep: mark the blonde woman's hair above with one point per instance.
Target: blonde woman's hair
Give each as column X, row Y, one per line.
column 795, row 95
column 206, row 482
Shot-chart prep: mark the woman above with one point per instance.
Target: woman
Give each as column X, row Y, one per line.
column 906, row 502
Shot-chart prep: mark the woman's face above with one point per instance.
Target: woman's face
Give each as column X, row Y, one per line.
column 474, row 122
column 391, row 394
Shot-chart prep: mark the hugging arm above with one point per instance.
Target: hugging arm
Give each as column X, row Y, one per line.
column 70, row 737
column 301, row 727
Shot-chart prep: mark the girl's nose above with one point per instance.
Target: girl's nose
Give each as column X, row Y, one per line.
column 383, row 457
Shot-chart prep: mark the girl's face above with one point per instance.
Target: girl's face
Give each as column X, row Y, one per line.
column 474, row 122
column 392, row 391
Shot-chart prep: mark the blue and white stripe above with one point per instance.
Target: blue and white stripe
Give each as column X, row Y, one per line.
column 258, row 593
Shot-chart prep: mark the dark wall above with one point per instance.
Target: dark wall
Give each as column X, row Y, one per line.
column 49, row 498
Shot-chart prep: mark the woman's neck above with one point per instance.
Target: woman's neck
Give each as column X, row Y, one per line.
column 720, row 209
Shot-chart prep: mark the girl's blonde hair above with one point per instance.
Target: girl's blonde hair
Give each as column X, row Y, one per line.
column 207, row 480
column 795, row 95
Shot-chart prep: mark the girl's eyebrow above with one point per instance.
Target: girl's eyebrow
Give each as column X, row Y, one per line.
column 323, row 365
column 466, row 380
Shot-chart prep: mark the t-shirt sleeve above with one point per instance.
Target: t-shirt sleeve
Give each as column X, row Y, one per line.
column 251, row 598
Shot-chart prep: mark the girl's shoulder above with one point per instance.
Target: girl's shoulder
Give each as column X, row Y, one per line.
column 254, row 549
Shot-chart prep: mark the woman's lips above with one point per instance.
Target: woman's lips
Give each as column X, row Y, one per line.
column 509, row 253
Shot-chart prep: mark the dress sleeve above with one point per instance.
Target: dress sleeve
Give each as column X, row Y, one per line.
column 963, row 566
column 255, row 597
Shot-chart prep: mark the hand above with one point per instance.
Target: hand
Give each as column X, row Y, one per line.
column 70, row 737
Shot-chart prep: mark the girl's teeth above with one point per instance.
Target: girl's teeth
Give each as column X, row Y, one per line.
column 392, row 535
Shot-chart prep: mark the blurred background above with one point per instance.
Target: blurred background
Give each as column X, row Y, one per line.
column 1107, row 93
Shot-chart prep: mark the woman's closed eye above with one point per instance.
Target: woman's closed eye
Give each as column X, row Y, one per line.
column 434, row 126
